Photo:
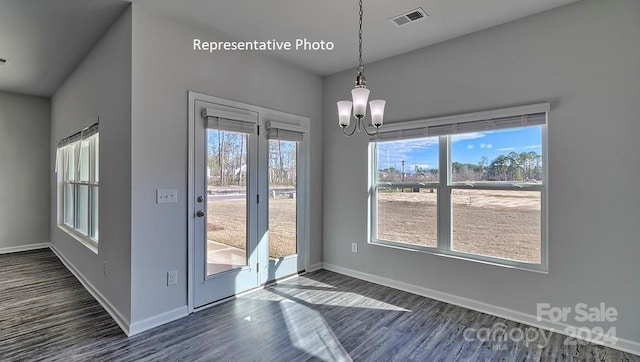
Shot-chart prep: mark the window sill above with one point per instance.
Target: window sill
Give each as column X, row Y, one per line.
column 84, row 240
column 504, row 263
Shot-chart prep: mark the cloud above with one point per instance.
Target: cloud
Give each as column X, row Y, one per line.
column 482, row 145
column 489, row 145
column 406, row 147
column 470, row 146
column 467, row 136
column 519, row 148
column 413, row 152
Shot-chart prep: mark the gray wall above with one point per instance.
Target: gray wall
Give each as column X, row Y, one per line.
column 101, row 87
column 165, row 68
column 585, row 59
column 24, row 170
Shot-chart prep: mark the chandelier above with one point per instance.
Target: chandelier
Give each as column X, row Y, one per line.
column 360, row 95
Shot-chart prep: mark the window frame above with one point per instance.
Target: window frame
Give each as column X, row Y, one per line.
column 92, row 183
column 445, row 187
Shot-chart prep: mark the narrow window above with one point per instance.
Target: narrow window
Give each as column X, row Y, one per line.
column 78, row 174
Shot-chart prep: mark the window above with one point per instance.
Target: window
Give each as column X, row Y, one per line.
column 470, row 186
column 407, row 176
column 78, row 157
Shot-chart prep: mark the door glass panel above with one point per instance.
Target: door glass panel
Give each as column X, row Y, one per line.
column 226, row 206
column 282, row 198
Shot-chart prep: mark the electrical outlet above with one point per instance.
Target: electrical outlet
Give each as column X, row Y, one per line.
column 172, row 277
column 104, row 268
column 354, row 247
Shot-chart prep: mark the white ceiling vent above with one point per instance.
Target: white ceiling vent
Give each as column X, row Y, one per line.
column 411, row 16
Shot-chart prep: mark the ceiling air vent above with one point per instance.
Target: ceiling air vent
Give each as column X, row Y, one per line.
column 411, row 16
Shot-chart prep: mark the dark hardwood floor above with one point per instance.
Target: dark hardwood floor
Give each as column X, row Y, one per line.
column 45, row 314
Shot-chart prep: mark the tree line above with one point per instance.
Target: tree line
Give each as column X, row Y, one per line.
column 227, row 160
column 518, row 167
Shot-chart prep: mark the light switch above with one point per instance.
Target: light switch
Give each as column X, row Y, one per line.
column 166, row 196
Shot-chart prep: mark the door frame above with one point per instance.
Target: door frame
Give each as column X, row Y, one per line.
column 264, row 114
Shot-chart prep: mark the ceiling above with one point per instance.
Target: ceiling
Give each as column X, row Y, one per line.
column 44, row 40
column 337, row 21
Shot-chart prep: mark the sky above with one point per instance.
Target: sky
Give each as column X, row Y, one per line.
column 465, row 148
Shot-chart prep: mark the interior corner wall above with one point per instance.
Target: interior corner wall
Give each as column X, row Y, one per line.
column 100, row 86
column 24, row 165
column 165, row 68
column 584, row 58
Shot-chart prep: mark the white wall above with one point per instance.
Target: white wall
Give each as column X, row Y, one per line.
column 24, row 171
column 101, row 87
column 165, row 68
column 585, row 59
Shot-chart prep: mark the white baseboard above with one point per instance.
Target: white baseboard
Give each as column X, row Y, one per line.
column 158, row 320
column 314, row 267
column 128, row 328
column 18, row 248
column 531, row 320
column 120, row 319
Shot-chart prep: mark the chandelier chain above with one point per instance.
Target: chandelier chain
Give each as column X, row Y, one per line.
column 360, row 40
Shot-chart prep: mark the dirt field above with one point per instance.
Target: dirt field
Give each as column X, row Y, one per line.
column 504, row 224
column 226, row 224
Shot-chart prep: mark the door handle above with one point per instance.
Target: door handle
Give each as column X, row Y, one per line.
column 200, row 213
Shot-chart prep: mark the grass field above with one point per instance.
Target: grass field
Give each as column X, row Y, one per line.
column 504, row 224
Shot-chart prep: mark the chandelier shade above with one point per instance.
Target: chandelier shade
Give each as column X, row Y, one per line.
column 344, row 113
column 377, row 112
column 360, row 97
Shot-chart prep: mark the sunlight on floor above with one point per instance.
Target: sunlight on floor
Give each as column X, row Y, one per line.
column 314, row 336
column 346, row 299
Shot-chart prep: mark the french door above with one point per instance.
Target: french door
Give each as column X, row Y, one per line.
column 248, row 197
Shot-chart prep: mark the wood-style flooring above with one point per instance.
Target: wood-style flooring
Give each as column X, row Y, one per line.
column 46, row 315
